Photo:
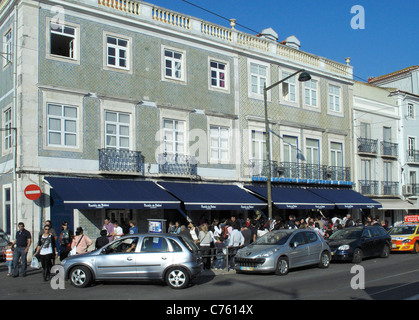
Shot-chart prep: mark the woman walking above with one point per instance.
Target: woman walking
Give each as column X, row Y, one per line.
column 47, row 251
column 66, row 236
column 81, row 241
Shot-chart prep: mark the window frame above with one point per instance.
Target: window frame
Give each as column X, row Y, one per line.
column 118, row 124
column 226, row 72
column 8, row 47
column 128, row 50
column 259, row 94
column 219, row 149
column 310, row 89
column 8, row 136
column 175, row 132
column 331, row 99
column 76, row 44
column 295, row 84
column 182, row 61
column 63, row 119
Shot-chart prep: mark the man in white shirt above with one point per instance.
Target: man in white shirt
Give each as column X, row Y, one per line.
column 235, row 242
column 117, row 232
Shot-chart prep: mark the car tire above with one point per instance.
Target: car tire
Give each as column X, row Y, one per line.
column 80, row 277
column 282, row 266
column 357, row 258
column 386, row 251
column 415, row 247
column 324, row 260
column 177, row 278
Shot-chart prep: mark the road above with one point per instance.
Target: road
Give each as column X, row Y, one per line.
column 396, row 278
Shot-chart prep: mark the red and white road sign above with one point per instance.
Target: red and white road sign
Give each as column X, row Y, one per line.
column 32, row 192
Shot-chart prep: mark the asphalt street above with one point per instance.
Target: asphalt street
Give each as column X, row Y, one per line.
column 395, row 278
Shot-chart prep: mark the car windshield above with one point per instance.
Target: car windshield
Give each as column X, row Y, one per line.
column 273, row 238
column 346, row 234
column 402, row 230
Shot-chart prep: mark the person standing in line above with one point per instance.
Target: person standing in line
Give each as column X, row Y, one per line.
column 81, row 241
column 108, row 226
column 133, row 228
column 66, row 237
column 47, row 251
column 235, row 242
column 102, row 240
column 205, row 239
column 22, row 243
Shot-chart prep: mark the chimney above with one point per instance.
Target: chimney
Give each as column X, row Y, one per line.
column 269, row 34
column 293, row 42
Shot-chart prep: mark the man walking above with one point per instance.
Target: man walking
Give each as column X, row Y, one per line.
column 22, row 243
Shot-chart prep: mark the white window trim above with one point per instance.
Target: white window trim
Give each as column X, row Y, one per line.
column 408, row 116
column 183, row 78
column 11, row 134
column 5, row 57
column 225, row 123
column 335, row 139
column 117, row 135
column 316, row 108
column 258, row 96
column 76, row 48
column 4, row 220
column 226, row 89
column 74, row 100
column 339, row 113
column 219, row 149
column 62, row 120
column 129, row 68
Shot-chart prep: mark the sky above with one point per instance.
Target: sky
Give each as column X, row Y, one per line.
column 387, row 42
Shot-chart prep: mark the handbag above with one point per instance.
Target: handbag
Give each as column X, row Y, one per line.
column 73, row 251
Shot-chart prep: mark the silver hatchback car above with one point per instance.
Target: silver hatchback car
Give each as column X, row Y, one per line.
column 171, row 258
column 280, row 250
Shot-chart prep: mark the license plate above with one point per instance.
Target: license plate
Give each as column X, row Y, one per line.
column 246, row 268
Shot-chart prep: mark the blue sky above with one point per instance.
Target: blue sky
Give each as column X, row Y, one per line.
column 388, row 43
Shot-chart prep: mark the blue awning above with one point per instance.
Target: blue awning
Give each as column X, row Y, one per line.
column 346, row 198
column 293, row 197
column 80, row 193
column 203, row 196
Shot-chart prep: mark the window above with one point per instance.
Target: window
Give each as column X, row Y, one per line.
column 62, row 40
column 7, row 200
column 117, row 130
column 387, row 171
column 289, row 91
column 7, row 124
column 312, row 151
column 174, row 136
column 258, row 145
column 310, row 91
column 411, row 146
column 311, row 237
column 334, row 98
column 336, row 155
column 412, row 177
column 173, row 65
column 8, row 46
column 365, row 130
column 154, row 244
column 219, row 143
column 365, row 170
column 290, row 148
column 298, row 239
column 218, row 74
column 410, row 111
column 117, row 52
column 387, row 134
column 258, row 76
column 62, row 125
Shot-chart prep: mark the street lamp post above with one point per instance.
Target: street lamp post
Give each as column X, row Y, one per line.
column 304, row 76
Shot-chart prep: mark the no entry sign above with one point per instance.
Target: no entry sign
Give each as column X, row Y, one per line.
column 32, row 192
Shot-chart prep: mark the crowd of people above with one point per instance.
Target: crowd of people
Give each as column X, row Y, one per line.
column 218, row 241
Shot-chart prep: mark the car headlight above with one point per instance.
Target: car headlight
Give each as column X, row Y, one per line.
column 344, row 247
column 266, row 254
column 406, row 241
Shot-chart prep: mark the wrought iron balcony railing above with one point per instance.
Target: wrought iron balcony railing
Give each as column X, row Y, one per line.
column 389, row 188
column 415, row 189
column 413, row 156
column 389, row 149
column 177, row 164
column 369, row 187
column 296, row 170
column 119, row 160
column 367, row 146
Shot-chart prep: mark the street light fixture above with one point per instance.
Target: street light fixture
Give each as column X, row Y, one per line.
column 304, row 76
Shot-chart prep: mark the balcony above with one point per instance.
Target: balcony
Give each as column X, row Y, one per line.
column 389, row 149
column 126, row 161
column 177, row 164
column 367, row 146
column 389, row 188
column 369, row 187
column 413, row 156
column 296, row 170
column 415, row 189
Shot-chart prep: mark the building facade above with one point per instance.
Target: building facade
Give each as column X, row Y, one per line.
column 99, row 98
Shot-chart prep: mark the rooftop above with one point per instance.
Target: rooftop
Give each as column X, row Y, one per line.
column 391, row 75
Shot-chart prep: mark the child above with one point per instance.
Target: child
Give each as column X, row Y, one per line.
column 220, row 253
column 9, row 258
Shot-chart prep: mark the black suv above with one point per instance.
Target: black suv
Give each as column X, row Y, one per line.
column 354, row 244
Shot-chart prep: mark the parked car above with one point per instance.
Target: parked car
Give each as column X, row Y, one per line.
column 405, row 237
column 171, row 258
column 354, row 244
column 281, row 250
column 4, row 240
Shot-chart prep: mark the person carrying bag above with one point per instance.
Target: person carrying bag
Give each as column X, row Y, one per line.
column 81, row 243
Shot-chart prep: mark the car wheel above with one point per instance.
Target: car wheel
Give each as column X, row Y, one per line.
column 177, row 278
column 357, row 258
column 80, row 277
column 324, row 260
column 386, row 252
column 282, row 266
column 416, row 247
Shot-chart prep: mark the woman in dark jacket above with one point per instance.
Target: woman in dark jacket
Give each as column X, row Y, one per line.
column 47, row 252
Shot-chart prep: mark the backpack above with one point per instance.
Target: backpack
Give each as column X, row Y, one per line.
column 224, row 233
